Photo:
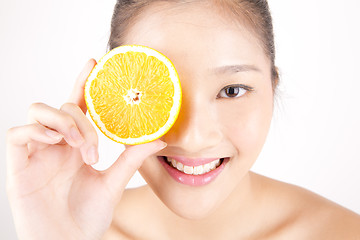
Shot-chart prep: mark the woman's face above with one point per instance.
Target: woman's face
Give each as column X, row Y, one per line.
column 226, row 107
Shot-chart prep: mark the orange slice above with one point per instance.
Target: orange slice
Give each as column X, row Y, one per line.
column 133, row 94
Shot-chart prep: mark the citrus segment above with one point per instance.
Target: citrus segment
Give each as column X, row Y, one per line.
column 133, row 94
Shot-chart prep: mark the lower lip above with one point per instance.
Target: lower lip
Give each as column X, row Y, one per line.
column 193, row 180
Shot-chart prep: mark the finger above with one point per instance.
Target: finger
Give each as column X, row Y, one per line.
column 89, row 149
column 58, row 120
column 77, row 94
column 118, row 175
column 18, row 139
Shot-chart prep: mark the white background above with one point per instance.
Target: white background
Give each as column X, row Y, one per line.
column 314, row 140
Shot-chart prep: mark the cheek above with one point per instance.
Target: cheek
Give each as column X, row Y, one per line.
column 150, row 170
column 246, row 123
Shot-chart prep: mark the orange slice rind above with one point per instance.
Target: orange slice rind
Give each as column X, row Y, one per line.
column 133, row 94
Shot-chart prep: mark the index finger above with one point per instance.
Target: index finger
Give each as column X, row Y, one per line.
column 77, row 94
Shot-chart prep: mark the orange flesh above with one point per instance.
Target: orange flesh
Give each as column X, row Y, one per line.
column 152, row 94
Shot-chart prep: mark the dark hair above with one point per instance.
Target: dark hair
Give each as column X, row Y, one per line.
column 255, row 14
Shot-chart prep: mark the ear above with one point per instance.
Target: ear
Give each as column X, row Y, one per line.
column 275, row 77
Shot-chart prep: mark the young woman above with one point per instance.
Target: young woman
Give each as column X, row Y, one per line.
column 224, row 54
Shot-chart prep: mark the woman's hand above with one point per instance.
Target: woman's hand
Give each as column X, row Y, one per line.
column 54, row 193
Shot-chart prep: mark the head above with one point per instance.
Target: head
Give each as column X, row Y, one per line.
column 224, row 53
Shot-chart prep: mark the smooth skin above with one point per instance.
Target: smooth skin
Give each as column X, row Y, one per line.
column 55, row 194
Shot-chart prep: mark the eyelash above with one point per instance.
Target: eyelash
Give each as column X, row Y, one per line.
column 243, row 89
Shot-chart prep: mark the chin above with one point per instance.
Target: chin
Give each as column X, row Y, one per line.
column 187, row 202
column 193, row 206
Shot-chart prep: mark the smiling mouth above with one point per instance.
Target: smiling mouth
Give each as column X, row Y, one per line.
column 193, row 170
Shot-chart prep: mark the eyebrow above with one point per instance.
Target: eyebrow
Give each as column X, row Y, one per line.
column 235, row 69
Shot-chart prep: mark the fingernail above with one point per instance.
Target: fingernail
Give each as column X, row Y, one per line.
column 163, row 145
column 76, row 136
column 53, row 134
column 92, row 155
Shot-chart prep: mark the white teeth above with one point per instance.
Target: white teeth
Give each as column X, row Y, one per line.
column 207, row 168
column 217, row 163
column 180, row 166
column 198, row 170
column 173, row 162
column 188, row 169
column 212, row 165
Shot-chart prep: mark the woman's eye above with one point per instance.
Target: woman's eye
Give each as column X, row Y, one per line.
column 232, row 91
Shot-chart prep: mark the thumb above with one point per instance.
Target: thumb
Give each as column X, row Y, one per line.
column 118, row 175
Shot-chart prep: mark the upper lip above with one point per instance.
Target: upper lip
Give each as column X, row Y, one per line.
column 193, row 161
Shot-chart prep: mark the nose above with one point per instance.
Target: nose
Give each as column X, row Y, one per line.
column 196, row 128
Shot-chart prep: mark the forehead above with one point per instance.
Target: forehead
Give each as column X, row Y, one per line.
column 194, row 32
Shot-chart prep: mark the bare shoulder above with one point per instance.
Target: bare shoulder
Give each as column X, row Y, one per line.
column 308, row 215
column 130, row 214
